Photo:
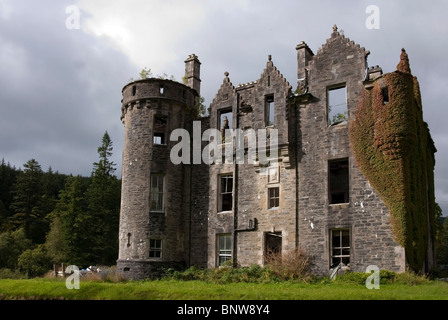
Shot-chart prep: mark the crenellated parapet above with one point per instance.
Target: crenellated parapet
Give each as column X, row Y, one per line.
column 153, row 93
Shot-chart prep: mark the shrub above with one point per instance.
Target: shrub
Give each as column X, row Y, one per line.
column 411, row 278
column 34, row 262
column 293, row 265
column 10, row 274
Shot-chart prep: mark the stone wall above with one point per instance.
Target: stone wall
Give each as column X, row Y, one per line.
column 339, row 62
column 152, row 107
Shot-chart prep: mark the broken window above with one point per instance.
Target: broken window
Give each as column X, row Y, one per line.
column 156, row 196
column 160, row 125
column 340, row 247
column 155, row 248
column 225, row 201
column 272, row 245
column 224, row 252
column 269, row 107
column 337, row 105
column 273, row 197
column 385, row 94
column 225, row 123
column 338, row 181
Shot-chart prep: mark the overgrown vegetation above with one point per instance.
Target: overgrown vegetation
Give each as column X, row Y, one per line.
column 395, row 152
column 292, row 266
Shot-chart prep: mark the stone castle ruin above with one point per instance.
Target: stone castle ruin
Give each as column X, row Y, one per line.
column 349, row 179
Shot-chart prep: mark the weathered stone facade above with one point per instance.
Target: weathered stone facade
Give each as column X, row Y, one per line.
column 309, row 194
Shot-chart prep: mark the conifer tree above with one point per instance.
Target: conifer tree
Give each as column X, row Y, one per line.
column 104, row 206
column 27, row 193
column 67, row 240
column 7, row 179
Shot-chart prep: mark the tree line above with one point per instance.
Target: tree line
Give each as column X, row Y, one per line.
column 50, row 218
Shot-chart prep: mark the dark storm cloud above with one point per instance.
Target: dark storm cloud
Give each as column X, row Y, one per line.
column 60, row 90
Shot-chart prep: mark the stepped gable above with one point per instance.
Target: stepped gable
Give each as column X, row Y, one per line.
column 226, row 88
column 271, row 70
column 335, row 40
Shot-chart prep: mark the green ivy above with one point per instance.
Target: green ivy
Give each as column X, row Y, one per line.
column 394, row 150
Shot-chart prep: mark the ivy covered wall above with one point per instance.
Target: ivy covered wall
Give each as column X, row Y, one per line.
column 394, row 150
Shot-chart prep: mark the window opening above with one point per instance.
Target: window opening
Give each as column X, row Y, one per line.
column 134, row 90
column 155, row 248
column 224, row 248
column 338, row 181
column 156, row 192
column 340, row 247
column 337, row 105
column 161, row 89
column 160, row 124
column 225, row 123
column 226, row 196
column 129, row 240
column 272, row 245
column 274, row 197
column 270, row 110
column 385, row 94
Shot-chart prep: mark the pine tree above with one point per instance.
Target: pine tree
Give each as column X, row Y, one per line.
column 104, row 206
column 68, row 241
column 7, row 179
column 27, row 193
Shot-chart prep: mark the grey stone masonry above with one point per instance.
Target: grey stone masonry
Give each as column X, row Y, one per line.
column 309, row 193
column 153, row 222
column 340, row 63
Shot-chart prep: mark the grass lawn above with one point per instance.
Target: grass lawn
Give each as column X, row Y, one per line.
column 41, row 288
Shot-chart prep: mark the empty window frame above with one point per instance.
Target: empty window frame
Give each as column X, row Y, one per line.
column 273, row 197
column 338, row 181
column 337, row 104
column 225, row 198
column 224, row 248
column 272, row 245
column 269, row 109
column 156, row 197
column 160, row 126
column 225, row 123
column 385, row 94
column 155, row 248
column 340, row 247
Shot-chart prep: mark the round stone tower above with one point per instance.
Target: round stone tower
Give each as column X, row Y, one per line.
column 154, row 224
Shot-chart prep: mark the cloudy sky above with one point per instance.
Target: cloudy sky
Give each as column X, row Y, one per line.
column 61, row 77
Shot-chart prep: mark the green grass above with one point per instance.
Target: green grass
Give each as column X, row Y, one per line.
column 41, row 288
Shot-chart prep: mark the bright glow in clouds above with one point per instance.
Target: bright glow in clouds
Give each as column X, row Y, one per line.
column 145, row 31
column 5, row 9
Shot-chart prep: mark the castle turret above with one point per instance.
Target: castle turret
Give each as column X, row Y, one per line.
column 153, row 233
